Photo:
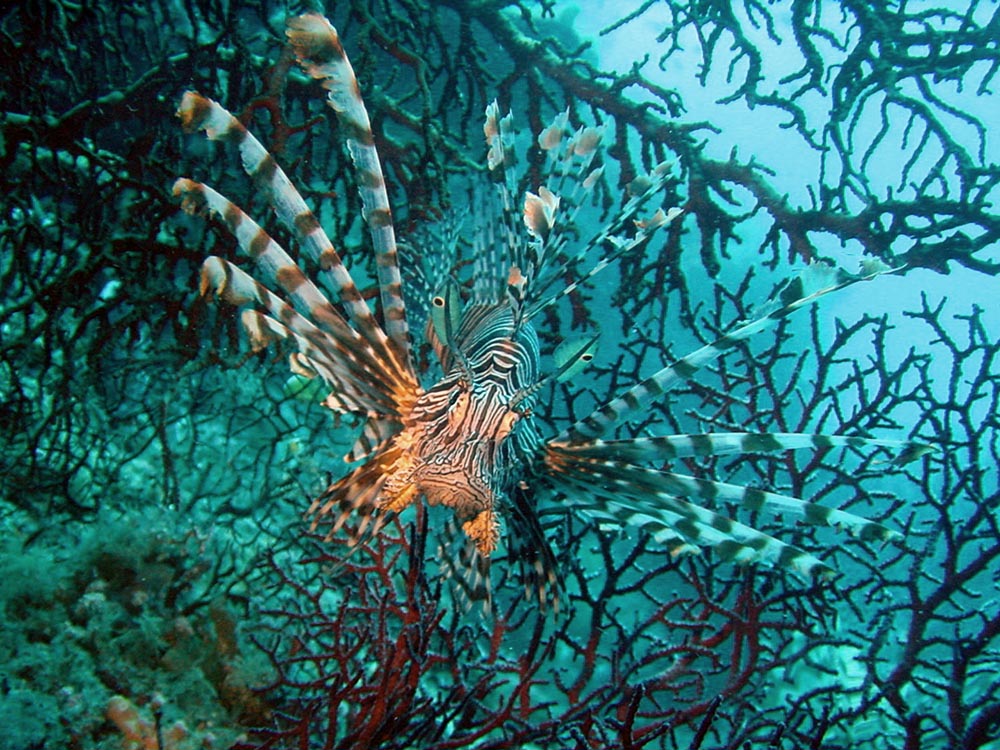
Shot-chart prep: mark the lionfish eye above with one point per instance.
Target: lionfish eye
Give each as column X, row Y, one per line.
column 438, row 301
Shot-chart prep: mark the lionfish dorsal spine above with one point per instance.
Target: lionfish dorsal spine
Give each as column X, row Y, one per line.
column 620, row 246
column 546, row 215
column 200, row 113
column 317, row 46
column 500, row 162
column 569, row 158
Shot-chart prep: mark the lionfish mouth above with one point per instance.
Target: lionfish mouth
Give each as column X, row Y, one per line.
column 468, row 494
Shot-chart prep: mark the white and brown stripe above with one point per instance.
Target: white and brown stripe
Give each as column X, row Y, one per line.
column 317, row 47
column 808, row 287
column 200, row 113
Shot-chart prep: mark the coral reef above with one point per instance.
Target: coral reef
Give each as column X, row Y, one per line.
column 140, row 606
column 153, row 474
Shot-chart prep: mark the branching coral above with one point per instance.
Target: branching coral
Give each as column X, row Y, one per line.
column 110, row 394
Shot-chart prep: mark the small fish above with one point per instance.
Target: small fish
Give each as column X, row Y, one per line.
column 467, row 440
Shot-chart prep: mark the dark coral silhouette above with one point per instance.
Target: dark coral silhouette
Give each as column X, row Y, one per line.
column 113, row 396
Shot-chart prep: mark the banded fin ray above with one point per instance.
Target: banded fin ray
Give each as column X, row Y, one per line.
column 355, row 496
column 667, row 447
column 317, row 46
column 358, row 386
column 636, row 480
column 570, row 155
column 814, row 282
column 500, row 161
column 621, row 246
column 611, row 234
column 375, row 432
column 201, row 113
column 529, row 547
column 274, row 263
column 624, row 499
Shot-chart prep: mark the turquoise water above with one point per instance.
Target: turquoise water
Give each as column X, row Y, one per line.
column 159, row 583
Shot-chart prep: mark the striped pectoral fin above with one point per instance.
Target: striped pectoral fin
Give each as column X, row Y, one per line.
column 359, row 382
column 807, row 287
column 684, row 528
column 221, row 279
column 317, row 46
column 355, row 497
column 375, row 432
column 751, row 498
column 350, row 394
column 669, row 447
column 277, row 267
column 200, row 113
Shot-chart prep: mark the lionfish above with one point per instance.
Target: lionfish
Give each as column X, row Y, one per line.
column 467, row 441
